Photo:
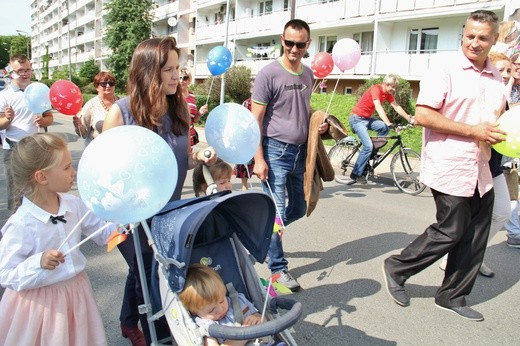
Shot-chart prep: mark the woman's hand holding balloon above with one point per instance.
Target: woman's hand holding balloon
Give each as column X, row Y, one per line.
column 324, row 127
column 203, row 110
column 207, row 156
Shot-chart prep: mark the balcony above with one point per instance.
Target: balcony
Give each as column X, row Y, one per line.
column 408, row 66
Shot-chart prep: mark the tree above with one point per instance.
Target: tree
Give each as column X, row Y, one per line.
column 237, row 89
column 128, row 23
column 20, row 45
column 89, row 70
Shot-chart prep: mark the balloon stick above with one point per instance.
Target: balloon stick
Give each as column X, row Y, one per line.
column 210, row 87
column 74, row 229
column 87, row 238
column 315, row 86
column 331, row 97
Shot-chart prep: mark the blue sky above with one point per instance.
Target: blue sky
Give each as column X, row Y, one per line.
column 16, row 16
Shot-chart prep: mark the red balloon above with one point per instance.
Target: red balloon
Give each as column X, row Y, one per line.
column 66, row 97
column 322, row 64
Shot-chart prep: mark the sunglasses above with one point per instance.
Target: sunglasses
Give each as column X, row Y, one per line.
column 185, row 78
column 105, row 84
column 299, row 45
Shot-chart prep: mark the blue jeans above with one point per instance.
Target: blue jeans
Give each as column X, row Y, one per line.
column 285, row 177
column 360, row 126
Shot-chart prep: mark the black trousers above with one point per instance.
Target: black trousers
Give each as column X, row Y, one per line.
column 461, row 230
column 133, row 294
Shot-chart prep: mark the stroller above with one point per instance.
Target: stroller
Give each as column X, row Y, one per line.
column 226, row 231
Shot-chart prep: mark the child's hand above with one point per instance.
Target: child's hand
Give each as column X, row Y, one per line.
column 252, row 320
column 51, row 259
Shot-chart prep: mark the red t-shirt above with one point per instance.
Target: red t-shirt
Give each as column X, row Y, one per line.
column 365, row 106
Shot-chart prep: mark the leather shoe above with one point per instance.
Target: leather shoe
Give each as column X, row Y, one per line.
column 395, row 290
column 464, row 312
column 135, row 335
column 485, row 271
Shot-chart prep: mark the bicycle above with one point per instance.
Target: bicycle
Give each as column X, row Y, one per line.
column 404, row 167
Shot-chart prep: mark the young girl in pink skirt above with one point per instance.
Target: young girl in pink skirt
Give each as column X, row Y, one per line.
column 48, row 298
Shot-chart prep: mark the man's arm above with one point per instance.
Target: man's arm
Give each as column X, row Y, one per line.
column 433, row 120
column 381, row 112
column 400, row 111
column 260, row 168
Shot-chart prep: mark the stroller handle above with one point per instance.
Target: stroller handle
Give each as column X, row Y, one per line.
column 272, row 327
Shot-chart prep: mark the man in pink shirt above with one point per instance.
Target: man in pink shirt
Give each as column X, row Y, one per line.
column 457, row 106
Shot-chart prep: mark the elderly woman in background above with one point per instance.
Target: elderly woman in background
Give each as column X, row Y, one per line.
column 195, row 114
column 89, row 122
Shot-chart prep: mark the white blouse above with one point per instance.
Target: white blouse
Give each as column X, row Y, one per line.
column 29, row 232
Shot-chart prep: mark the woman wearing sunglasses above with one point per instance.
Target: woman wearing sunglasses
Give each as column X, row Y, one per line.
column 195, row 114
column 89, row 122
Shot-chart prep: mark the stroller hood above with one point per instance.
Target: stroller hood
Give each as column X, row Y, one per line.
column 248, row 214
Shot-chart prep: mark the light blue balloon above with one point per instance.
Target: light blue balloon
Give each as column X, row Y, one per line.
column 219, row 60
column 234, row 133
column 127, row 174
column 37, row 97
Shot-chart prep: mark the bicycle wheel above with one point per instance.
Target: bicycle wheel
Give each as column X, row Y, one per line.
column 342, row 157
column 405, row 167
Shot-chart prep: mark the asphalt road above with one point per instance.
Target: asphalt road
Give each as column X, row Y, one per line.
column 336, row 254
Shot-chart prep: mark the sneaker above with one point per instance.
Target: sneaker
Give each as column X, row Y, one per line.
column 396, row 291
column 513, row 242
column 464, row 312
column 351, row 181
column 485, row 271
column 288, row 281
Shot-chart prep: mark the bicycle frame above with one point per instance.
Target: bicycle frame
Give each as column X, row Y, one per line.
column 397, row 143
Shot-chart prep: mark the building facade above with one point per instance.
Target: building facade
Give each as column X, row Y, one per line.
column 396, row 36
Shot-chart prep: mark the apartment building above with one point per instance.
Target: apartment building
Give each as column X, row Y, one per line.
column 396, row 36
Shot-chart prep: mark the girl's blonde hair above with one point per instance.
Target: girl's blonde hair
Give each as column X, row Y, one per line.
column 203, row 286
column 221, row 169
column 40, row 151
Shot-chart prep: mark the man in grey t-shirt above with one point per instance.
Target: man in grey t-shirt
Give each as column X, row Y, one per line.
column 281, row 104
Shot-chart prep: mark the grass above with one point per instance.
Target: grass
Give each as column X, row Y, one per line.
column 341, row 107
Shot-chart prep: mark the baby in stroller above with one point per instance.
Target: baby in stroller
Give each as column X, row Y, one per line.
column 226, row 232
column 204, row 295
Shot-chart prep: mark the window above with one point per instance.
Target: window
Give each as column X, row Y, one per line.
column 423, row 40
column 265, row 7
column 347, row 91
column 325, row 43
column 285, row 5
column 365, row 40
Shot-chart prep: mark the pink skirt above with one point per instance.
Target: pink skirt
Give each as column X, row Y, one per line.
column 61, row 314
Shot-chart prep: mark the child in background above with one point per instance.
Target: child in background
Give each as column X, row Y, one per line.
column 48, row 298
column 220, row 172
column 204, row 295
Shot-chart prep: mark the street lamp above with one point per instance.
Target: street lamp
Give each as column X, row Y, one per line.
column 26, row 40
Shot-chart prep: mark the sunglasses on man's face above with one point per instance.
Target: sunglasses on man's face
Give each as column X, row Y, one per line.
column 105, row 84
column 299, row 45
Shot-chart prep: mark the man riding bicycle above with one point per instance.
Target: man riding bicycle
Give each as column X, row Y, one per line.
column 361, row 119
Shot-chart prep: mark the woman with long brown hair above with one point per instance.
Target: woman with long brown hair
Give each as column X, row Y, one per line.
column 154, row 101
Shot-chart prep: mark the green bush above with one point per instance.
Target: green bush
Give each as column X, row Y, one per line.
column 89, row 89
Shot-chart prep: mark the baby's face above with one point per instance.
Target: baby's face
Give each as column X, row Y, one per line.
column 214, row 311
column 223, row 184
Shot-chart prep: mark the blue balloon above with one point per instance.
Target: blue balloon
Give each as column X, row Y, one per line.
column 127, row 174
column 37, row 97
column 219, row 60
column 234, row 133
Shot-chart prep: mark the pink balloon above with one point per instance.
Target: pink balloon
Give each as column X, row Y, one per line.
column 346, row 54
column 322, row 64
